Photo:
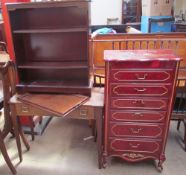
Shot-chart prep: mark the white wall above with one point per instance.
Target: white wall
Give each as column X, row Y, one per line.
column 179, row 5
column 103, row 9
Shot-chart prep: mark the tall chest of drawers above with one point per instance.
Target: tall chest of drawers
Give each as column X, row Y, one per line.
column 139, row 94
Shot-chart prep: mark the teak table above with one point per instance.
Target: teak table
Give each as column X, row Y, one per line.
column 91, row 109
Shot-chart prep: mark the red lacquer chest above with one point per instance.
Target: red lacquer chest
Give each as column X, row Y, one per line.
column 139, row 94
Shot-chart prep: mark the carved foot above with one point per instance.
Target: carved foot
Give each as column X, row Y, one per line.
column 160, row 163
column 104, row 161
column 160, row 166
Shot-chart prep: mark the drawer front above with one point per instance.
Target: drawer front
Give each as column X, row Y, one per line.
column 141, row 76
column 143, row 64
column 82, row 112
column 136, row 130
column 139, row 103
column 140, row 90
column 128, row 145
column 23, row 109
column 142, row 116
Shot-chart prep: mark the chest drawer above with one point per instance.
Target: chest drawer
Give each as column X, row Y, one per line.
column 141, row 116
column 128, row 145
column 136, row 130
column 140, row 90
column 141, row 76
column 139, row 103
column 143, row 64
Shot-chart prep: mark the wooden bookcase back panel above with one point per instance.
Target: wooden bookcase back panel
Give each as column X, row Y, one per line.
column 51, row 47
column 54, row 75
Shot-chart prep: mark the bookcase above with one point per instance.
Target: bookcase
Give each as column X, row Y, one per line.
column 51, row 46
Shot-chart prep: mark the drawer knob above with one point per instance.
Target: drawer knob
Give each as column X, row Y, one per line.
column 143, row 77
column 134, row 146
column 140, row 90
column 137, row 115
column 136, row 130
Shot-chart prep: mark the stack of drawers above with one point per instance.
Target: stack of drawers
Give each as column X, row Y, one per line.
column 139, row 93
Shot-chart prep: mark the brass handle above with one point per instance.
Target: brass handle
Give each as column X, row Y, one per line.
column 25, row 109
column 136, row 130
column 83, row 112
column 137, row 115
column 134, row 146
column 141, row 77
column 139, row 102
column 140, row 90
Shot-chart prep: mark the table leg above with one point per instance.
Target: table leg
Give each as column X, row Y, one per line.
column 16, row 130
column 22, row 134
column 99, row 126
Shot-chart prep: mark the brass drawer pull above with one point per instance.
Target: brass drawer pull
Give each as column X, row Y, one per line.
column 139, row 102
column 141, row 77
column 135, row 131
column 137, row 115
column 83, row 112
column 25, row 109
column 140, row 90
column 134, row 146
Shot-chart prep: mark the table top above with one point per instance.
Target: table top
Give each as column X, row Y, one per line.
column 96, row 99
column 140, row 55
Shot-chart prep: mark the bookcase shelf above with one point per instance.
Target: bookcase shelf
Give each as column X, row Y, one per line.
column 53, row 65
column 67, row 30
column 51, row 46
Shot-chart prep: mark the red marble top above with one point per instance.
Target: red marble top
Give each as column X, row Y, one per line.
column 139, row 55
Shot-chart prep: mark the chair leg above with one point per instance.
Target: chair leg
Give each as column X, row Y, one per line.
column 178, row 124
column 32, row 133
column 6, row 157
column 94, row 130
column 22, row 135
column 40, row 120
column 90, row 123
column 185, row 134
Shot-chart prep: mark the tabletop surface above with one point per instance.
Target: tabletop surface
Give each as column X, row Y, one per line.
column 96, row 99
column 140, row 55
